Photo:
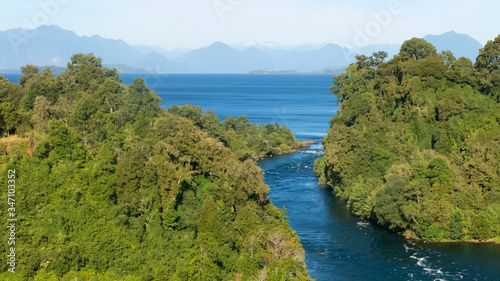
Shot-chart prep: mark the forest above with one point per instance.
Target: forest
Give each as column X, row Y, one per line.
column 415, row 146
column 111, row 186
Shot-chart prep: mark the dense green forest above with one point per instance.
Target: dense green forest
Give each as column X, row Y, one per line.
column 415, row 145
column 246, row 140
column 110, row 186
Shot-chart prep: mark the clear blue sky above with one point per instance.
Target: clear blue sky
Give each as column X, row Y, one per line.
column 195, row 23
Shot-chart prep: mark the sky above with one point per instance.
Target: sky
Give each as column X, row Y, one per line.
column 174, row 24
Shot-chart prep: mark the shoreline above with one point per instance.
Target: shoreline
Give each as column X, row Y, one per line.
column 408, row 236
column 471, row 241
column 303, row 144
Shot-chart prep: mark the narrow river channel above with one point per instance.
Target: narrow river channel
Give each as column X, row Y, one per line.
column 339, row 246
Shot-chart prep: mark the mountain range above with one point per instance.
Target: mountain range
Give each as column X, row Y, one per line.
column 460, row 44
column 53, row 46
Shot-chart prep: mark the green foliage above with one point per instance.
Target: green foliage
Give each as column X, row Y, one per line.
column 439, row 172
column 432, row 233
column 389, row 204
column 462, row 71
column 372, row 61
column 44, row 85
column 417, row 49
column 415, row 143
column 481, row 227
column 447, row 57
column 487, row 68
column 358, row 200
column 113, row 187
column 457, row 225
column 28, row 71
column 9, row 118
column 319, row 169
column 245, row 139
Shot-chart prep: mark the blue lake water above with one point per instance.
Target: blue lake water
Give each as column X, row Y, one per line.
column 301, row 102
column 338, row 246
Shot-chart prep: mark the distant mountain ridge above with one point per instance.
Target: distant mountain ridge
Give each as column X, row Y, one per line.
column 52, row 45
column 461, row 45
column 156, row 62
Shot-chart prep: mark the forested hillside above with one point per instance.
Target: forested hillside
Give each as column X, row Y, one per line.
column 416, row 144
column 246, row 140
column 109, row 186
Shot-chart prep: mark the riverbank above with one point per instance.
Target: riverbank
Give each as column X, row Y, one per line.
column 336, row 242
column 471, row 241
column 308, row 143
column 409, row 236
column 303, row 144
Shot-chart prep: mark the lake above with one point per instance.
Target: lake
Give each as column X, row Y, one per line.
column 338, row 245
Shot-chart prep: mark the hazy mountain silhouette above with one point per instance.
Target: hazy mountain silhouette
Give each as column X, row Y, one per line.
column 155, row 62
column 171, row 54
column 461, row 45
column 216, row 58
column 52, row 45
column 330, row 56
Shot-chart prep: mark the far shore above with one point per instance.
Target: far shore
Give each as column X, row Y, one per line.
column 409, row 236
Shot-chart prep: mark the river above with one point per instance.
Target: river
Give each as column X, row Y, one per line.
column 340, row 246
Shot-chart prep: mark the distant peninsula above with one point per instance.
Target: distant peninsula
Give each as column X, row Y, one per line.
column 324, row 72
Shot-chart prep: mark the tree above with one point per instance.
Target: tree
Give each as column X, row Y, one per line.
column 389, row 204
column 379, row 57
column 439, row 171
column 432, row 233
column 28, row 72
column 40, row 85
column 9, row 118
column 373, row 61
column 482, row 227
column 10, row 92
column 144, row 98
column 42, row 113
column 62, row 109
column 63, row 144
column 111, row 94
column 457, row 225
column 462, row 71
column 86, row 70
column 358, row 200
column 447, row 57
column 416, row 49
column 488, row 68
column 207, row 231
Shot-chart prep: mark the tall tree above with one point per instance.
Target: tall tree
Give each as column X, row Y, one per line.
column 447, row 57
column 42, row 112
column 462, row 71
column 28, row 72
column 417, row 49
column 488, row 68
